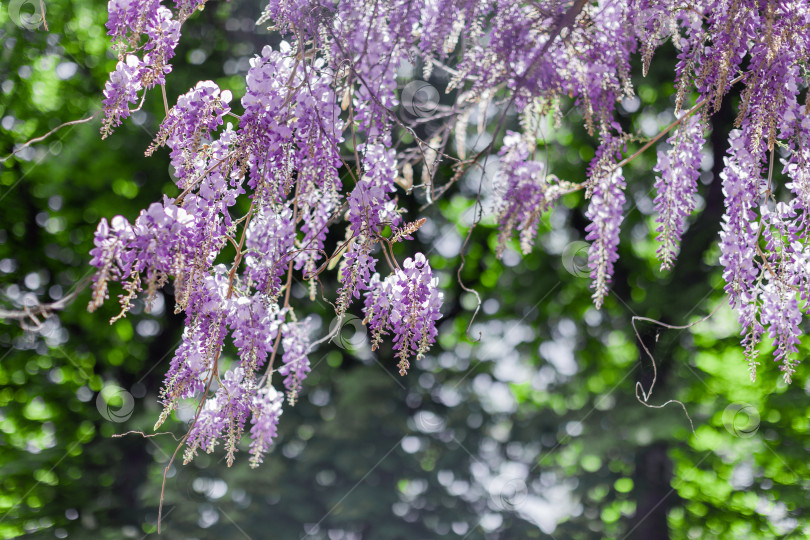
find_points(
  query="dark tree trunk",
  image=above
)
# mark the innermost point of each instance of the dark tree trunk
(654, 494)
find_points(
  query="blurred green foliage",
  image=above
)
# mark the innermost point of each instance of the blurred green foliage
(524, 422)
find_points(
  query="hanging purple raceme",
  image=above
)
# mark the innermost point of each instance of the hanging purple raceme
(295, 341)
(128, 18)
(223, 417)
(163, 237)
(371, 209)
(781, 313)
(188, 127)
(267, 409)
(606, 189)
(676, 188)
(254, 324)
(270, 238)
(526, 192)
(121, 90)
(141, 65)
(407, 304)
(739, 238)
(110, 240)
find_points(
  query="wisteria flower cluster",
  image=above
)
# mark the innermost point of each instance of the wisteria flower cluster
(527, 191)
(407, 303)
(677, 186)
(284, 155)
(285, 148)
(146, 34)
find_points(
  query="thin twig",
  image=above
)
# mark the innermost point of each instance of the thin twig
(43, 310)
(144, 435)
(669, 128)
(42, 14)
(51, 132)
(165, 101)
(186, 436)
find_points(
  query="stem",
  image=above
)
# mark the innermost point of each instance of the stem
(185, 437)
(165, 101)
(42, 14)
(387, 258)
(238, 258)
(214, 370)
(386, 242)
(288, 286)
(51, 132)
(669, 128)
(354, 134)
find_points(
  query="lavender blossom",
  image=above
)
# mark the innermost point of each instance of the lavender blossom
(129, 17)
(223, 417)
(121, 90)
(605, 213)
(677, 186)
(738, 239)
(407, 304)
(527, 192)
(267, 410)
(188, 127)
(270, 238)
(371, 209)
(295, 340)
(254, 324)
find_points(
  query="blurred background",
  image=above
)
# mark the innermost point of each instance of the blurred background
(522, 422)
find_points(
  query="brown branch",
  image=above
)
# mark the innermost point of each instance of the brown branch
(42, 14)
(33, 313)
(185, 437)
(144, 435)
(165, 101)
(669, 128)
(51, 132)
